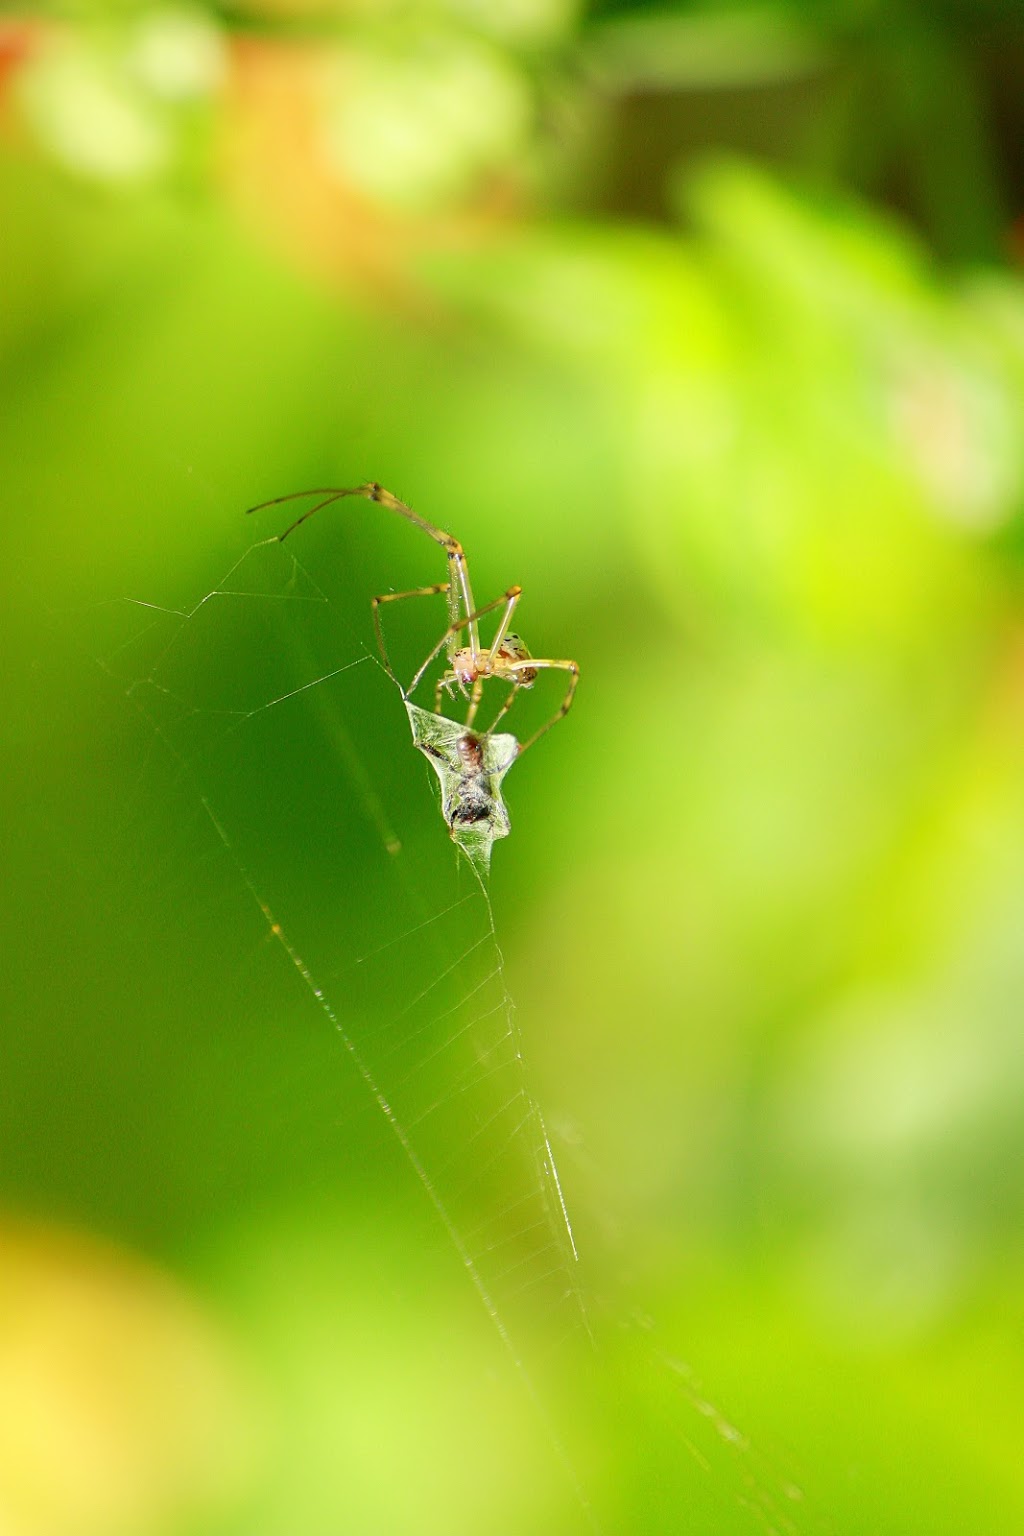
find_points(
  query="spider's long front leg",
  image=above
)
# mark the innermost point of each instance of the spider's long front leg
(537, 663)
(458, 572)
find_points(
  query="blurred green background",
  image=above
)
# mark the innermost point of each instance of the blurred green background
(704, 324)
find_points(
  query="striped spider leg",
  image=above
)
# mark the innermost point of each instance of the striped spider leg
(469, 662)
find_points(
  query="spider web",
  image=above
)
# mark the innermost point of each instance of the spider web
(281, 749)
(287, 752)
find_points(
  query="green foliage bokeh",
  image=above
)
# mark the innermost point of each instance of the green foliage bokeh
(758, 465)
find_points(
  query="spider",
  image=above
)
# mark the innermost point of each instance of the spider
(470, 663)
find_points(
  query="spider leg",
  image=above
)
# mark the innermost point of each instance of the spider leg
(512, 597)
(474, 701)
(397, 597)
(328, 493)
(537, 663)
(503, 711)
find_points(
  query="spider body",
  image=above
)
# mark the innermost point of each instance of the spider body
(501, 661)
(469, 662)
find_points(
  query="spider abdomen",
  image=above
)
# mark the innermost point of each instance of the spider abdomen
(513, 649)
